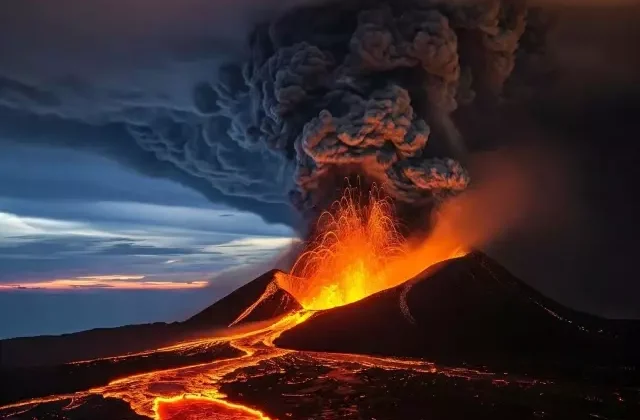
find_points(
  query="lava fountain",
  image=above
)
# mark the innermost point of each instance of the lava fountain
(357, 250)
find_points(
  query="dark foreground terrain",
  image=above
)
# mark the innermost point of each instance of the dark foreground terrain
(464, 341)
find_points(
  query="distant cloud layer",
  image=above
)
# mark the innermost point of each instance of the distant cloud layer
(156, 229)
(96, 71)
(105, 282)
(80, 234)
(33, 249)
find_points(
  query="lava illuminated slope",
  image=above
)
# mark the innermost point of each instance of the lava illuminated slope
(193, 392)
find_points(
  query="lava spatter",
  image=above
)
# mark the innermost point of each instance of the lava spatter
(358, 250)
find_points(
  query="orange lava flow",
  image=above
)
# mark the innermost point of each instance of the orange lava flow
(188, 407)
(358, 251)
(193, 392)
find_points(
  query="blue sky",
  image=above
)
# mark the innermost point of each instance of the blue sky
(86, 242)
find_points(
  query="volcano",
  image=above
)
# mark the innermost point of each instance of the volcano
(471, 311)
(464, 339)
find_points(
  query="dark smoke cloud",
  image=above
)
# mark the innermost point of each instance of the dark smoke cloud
(360, 84)
(371, 84)
(580, 114)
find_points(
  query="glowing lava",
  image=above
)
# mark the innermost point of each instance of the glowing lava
(345, 261)
(358, 251)
(189, 407)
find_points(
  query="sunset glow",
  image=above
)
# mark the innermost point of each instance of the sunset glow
(112, 282)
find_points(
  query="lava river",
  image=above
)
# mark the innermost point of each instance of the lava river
(193, 392)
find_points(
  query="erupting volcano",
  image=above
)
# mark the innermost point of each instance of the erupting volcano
(355, 244)
(377, 318)
(342, 336)
(345, 261)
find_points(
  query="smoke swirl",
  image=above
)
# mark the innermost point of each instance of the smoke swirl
(361, 85)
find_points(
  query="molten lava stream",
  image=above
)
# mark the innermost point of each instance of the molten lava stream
(193, 392)
(197, 408)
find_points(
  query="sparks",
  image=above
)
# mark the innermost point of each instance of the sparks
(358, 251)
(344, 262)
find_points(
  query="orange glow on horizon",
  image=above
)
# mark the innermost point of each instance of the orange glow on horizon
(111, 282)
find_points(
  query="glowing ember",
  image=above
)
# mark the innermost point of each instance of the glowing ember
(345, 261)
(358, 251)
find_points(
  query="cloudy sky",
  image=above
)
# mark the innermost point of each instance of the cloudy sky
(96, 230)
(86, 242)
(123, 196)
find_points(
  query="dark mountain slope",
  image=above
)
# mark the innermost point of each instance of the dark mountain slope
(108, 342)
(258, 300)
(473, 311)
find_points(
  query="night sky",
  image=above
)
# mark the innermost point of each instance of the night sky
(96, 231)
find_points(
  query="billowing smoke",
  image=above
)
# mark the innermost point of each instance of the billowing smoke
(325, 90)
(367, 85)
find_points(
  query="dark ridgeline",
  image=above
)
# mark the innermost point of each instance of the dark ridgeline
(228, 309)
(472, 311)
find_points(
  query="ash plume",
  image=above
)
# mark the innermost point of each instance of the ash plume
(364, 87)
(370, 84)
